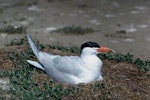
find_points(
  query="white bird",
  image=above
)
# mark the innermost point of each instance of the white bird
(71, 69)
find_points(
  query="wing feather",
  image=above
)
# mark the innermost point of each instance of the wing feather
(68, 64)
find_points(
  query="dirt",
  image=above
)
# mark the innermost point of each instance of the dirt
(122, 81)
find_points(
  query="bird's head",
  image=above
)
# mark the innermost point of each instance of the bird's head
(94, 48)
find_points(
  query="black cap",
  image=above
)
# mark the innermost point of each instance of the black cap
(89, 44)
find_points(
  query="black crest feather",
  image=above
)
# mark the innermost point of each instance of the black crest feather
(89, 44)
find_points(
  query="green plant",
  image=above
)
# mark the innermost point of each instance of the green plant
(118, 57)
(13, 29)
(18, 42)
(76, 30)
(144, 65)
(117, 34)
(72, 49)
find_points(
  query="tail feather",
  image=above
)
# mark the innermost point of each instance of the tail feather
(36, 52)
(36, 64)
(33, 46)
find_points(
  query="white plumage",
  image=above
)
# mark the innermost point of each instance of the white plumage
(71, 69)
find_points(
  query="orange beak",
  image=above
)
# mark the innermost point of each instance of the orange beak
(104, 49)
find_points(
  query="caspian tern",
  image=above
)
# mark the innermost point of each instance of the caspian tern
(71, 69)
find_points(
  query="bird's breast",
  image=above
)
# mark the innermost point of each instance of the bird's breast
(92, 61)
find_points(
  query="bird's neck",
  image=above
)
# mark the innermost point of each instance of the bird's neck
(92, 61)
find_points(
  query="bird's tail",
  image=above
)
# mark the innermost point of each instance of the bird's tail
(33, 46)
(36, 52)
(36, 64)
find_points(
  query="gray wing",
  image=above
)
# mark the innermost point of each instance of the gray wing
(68, 64)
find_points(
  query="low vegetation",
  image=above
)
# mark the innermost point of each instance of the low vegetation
(124, 76)
(74, 30)
(13, 29)
(118, 34)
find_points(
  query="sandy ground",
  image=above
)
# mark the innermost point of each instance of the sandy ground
(107, 16)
